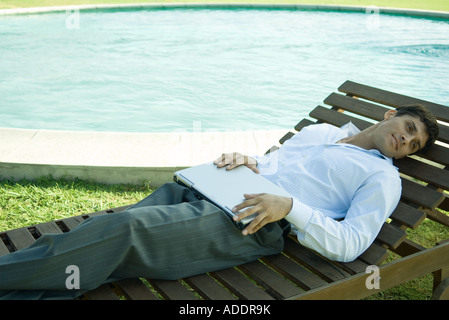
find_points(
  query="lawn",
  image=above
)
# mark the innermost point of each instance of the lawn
(442, 5)
(31, 202)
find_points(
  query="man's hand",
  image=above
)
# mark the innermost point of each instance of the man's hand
(235, 159)
(270, 208)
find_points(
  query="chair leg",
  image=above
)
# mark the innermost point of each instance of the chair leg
(441, 284)
(441, 292)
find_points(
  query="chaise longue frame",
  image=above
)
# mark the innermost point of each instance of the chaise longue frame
(299, 273)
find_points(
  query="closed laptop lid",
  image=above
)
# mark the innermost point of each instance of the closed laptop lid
(225, 188)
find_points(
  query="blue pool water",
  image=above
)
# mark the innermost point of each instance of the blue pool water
(217, 70)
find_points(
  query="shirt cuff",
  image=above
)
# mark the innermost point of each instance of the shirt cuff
(300, 214)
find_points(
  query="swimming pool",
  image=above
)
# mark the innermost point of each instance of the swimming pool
(203, 69)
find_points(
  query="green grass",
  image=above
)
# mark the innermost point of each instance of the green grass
(442, 5)
(31, 202)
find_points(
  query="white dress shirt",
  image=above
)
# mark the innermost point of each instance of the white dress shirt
(329, 181)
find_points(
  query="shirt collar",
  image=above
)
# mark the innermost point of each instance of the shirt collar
(350, 129)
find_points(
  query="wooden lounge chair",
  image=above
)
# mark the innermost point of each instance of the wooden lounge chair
(299, 273)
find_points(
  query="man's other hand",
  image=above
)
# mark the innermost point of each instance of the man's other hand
(235, 159)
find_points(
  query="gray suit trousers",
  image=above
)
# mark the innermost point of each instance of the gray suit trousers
(171, 234)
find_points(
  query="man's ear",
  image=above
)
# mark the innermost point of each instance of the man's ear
(389, 114)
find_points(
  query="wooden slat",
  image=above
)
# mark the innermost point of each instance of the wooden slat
(172, 290)
(391, 99)
(240, 286)
(420, 194)
(363, 108)
(408, 216)
(3, 248)
(391, 235)
(294, 272)
(353, 267)
(444, 133)
(337, 118)
(72, 222)
(103, 292)
(20, 238)
(273, 148)
(374, 255)
(438, 216)
(303, 123)
(117, 209)
(113, 210)
(444, 205)
(209, 288)
(287, 136)
(314, 262)
(96, 213)
(135, 289)
(437, 153)
(49, 227)
(273, 283)
(419, 170)
(407, 248)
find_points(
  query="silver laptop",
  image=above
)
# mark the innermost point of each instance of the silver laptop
(225, 188)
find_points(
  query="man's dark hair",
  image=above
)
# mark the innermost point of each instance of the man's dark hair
(419, 110)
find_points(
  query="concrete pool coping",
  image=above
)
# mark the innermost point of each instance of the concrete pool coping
(136, 6)
(112, 157)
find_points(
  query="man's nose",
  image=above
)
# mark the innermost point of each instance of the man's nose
(406, 138)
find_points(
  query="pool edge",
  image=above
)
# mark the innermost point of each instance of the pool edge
(116, 158)
(139, 6)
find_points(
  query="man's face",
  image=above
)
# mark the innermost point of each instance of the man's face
(397, 137)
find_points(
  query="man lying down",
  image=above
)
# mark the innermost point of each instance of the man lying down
(343, 187)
